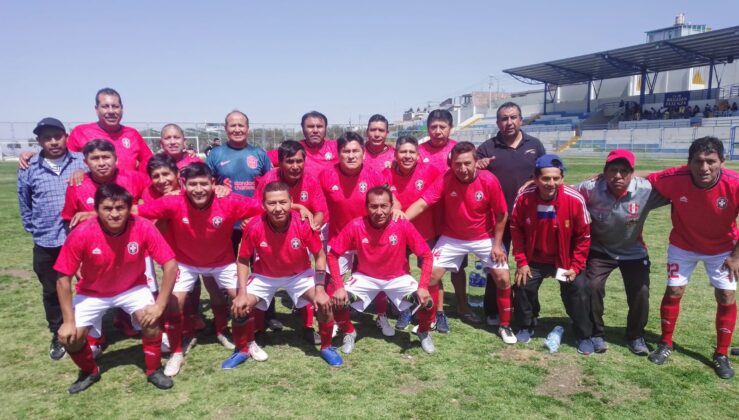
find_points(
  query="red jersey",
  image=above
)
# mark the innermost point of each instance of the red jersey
(274, 157)
(111, 264)
(345, 195)
(409, 188)
(130, 147)
(472, 206)
(382, 252)
(380, 161)
(318, 159)
(305, 192)
(703, 220)
(202, 237)
(279, 254)
(81, 197)
(436, 156)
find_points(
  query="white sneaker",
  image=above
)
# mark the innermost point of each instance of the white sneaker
(493, 322)
(165, 344)
(225, 342)
(174, 364)
(384, 326)
(256, 352)
(426, 343)
(348, 343)
(188, 344)
(506, 333)
(97, 351)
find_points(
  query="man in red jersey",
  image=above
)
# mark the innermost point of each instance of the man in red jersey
(278, 245)
(705, 204)
(474, 220)
(201, 225)
(320, 152)
(381, 244)
(378, 155)
(108, 252)
(172, 143)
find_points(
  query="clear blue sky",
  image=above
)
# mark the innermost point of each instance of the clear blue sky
(195, 61)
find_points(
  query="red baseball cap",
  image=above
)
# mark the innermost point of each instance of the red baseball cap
(621, 154)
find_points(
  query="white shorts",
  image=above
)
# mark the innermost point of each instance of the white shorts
(681, 263)
(187, 275)
(89, 310)
(449, 253)
(346, 261)
(151, 275)
(366, 288)
(265, 287)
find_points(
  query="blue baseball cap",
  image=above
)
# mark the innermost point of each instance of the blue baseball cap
(550, 161)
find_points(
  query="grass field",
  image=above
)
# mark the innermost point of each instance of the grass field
(472, 375)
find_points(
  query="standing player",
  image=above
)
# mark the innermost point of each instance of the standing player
(474, 223)
(200, 224)
(551, 236)
(378, 155)
(705, 204)
(381, 244)
(41, 198)
(279, 244)
(510, 156)
(618, 203)
(320, 152)
(172, 143)
(108, 252)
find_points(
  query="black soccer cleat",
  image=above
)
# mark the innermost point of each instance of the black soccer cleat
(84, 381)
(660, 355)
(722, 366)
(160, 380)
(56, 350)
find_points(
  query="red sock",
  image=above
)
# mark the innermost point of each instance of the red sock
(326, 330)
(503, 299)
(725, 322)
(152, 353)
(84, 360)
(342, 318)
(96, 341)
(258, 316)
(243, 334)
(381, 303)
(307, 312)
(669, 310)
(426, 316)
(174, 331)
(220, 318)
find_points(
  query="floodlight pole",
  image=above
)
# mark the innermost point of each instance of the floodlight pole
(710, 79)
(546, 90)
(643, 86)
(590, 87)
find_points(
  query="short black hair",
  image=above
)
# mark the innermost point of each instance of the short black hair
(313, 114)
(195, 170)
(275, 186)
(347, 137)
(289, 148)
(107, 91)
(707, 144)
(508, 105)
(405, 139)
(440, 115)
(463, 147)
(379, 190)
(98, 144)
(160, 160)
(378, 118)
(113, 192)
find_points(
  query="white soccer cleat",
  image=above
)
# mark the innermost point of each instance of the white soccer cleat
(384, 326)
(174, 364)
(426, 343)
(256, 352)
(165, 344)
(225, 342)
(506, 333)
(348, 342)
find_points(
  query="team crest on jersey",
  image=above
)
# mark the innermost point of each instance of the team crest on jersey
(295, 243)
(419, 184)
(126, 142)
(722, 202)
(479, 196)
(393, 239)
(90, 200)
(133, 248)
(633, 208)
(185, 221)
(362, 187)
(252, 162)
(217, 221)
(328, 156)
(304, 196)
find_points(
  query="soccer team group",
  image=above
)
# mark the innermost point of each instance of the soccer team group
(313, 212)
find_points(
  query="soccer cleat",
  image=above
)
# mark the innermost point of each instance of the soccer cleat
(471, 318)
(404, 319)
(427, 344)
(585, 346)
(722, 366)
(84, 381)
(188, 343)
(493, 322)
(311, 336)
(165, 344)
(274, 324)
(384, 326)
(331, 356)
(256, 352)
(174, 364)
(638, 346)
(160, 380)
(442, 323)
(56, 350)
(599, 344)
(237, 358)
(524, 335)
(225, 342)
(347, 345)
(506, 333)
(660, 354)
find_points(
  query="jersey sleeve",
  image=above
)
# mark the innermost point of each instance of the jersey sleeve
(435, 191)
(343, 241)
(497, 199)
(159, 250)
(246, 249)
(245, 207)
(24, 199)
(144, 152)
(69, 210)
(518, 234)
(659, 181)
(160, 208)
(70, 256)
(73, 141)
(311, 238)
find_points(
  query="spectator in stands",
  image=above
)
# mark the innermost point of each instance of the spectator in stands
(696, 110)
(706, 111)
(734, 108)
(510, 156)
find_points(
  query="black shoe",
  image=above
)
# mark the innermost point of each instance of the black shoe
(274, 324)
(310, 335)
(735, 351)
(660, 355)
(722, 367)
(84, 381)
(160, 380)
(56, 350)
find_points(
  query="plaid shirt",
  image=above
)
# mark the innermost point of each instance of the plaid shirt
(41, 198)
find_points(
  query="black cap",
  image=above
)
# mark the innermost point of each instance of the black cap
(48, 122)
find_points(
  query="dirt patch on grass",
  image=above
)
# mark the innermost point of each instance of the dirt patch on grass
(408, 385)
(17, 272)
(562, 381)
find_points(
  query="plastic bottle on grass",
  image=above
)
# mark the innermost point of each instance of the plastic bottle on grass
(476, 279)
(554, 339)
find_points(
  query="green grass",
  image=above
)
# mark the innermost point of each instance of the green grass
(473, 374)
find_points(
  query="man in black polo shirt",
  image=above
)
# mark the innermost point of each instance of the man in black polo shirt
(510, 156)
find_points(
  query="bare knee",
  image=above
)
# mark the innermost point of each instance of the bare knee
(675, 291)
(725, 297)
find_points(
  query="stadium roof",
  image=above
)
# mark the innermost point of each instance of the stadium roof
(718, 46)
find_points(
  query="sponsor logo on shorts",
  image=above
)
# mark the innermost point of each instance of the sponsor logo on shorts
(295, 243)
(304, 196)
(96, 251)
(90, 200)
(419, 184)
(328, 156)
(185, 221)
(133, 248)
(126, 142)
(252, 162)
(393, 239)
(362, 187)
(479, 196)
(722, 202)
(217, 221)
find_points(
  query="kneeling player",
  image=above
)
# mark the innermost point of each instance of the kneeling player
(381, 250)
(111, 249)
(278, 244)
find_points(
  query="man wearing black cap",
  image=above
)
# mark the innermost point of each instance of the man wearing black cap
(41, 191)
(619, 203)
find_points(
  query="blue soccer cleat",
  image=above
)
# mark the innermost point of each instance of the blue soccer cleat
(237, 358)
(331, 356)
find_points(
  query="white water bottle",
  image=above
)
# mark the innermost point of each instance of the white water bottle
(554, 339)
